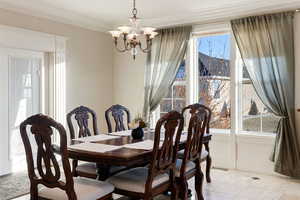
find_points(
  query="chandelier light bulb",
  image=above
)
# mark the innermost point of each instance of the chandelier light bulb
(148, 30)
(125, 29)
(115, 34)
(153, 34)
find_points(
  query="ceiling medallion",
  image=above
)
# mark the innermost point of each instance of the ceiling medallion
(130, 35)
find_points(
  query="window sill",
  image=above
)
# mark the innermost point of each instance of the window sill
(220, 131)
(256, 134)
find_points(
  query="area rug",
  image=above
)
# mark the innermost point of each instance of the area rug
(14, 185)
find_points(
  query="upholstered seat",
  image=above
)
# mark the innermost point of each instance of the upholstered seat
(91, 168)
(135, 179)
(85, 189)
(189, 166)
(204, 154)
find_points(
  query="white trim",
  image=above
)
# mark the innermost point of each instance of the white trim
(215, 13)
(211, 29)
(61, 16)
(226, 12)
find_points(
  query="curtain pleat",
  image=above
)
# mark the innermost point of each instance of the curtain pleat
(266, 45)
(167, 53)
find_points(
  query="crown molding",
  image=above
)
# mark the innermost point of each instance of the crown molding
(61, 16)
(195, 17)
(225, 13)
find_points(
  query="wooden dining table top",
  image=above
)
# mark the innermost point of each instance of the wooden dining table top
(123, 156)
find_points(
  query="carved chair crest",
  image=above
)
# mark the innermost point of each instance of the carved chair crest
(82, 115)
(117, 112)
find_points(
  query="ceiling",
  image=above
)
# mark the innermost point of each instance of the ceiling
(104, 15)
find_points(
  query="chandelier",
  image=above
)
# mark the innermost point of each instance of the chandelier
(130, 35)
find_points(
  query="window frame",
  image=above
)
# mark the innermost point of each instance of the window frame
(192, 83)
(218, 29)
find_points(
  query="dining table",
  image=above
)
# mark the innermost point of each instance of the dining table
(120, 149)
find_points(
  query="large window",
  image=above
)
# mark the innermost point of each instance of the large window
(214, 77)
(206, 77)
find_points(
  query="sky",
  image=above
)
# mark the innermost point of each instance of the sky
(216, 46)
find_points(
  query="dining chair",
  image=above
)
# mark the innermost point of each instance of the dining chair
(82, 115)
(205, 154)
(159, 176)
(190, 165)
(117, 112)
(47, 172)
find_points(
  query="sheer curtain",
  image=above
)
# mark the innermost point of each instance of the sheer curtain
(168, 51)
(267, 48)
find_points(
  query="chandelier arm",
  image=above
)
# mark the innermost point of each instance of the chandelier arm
(116, 46)
(127, 46)
(148, 46)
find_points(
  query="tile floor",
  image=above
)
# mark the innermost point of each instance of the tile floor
(236, 185)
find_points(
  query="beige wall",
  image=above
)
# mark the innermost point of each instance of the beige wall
(89, 61)
(129, 81)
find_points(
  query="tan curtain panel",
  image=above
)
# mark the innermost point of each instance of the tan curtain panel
(266, 44)
(168, 51)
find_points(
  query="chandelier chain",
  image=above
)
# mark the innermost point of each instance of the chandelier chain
(134, 10)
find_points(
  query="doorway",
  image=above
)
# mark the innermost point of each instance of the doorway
(23, 92)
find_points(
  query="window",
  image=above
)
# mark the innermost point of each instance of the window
(213, 53)
(206, 78)
(255, 116)
(176, 98)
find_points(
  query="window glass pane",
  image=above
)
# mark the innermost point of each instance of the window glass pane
(179, 91)
(166, 105)
(179, 105)
(176, 98)
(255, 115)
(214, 77)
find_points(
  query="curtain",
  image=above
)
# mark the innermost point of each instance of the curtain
(167, 53)
(267, 49)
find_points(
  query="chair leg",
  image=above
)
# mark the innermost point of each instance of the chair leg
(148, 197)
(208, 166)
(199, 182)
(174, 192)
(33, 192)
(184, 189)
(208, 163)
(74, 166)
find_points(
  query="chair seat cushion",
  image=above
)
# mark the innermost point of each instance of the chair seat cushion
(189, 166)
(91, 168)
(204, 154)
(134, 180)
(85, 189)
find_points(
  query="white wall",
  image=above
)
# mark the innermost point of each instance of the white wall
(89, 62)
(252, 152)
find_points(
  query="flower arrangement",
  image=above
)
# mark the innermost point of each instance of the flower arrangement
(138, 122)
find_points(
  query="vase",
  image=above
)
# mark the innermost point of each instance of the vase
(137, 133)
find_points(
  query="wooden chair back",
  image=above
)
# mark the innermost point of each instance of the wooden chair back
(194, 108)
(48, 169)
(197, 125)
(82, 115)
(165, 151)
(117, 111)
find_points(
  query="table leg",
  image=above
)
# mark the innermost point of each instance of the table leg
(208, 163)
(103, 172)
